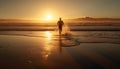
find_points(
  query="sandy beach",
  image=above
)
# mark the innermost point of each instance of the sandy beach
(47, 50)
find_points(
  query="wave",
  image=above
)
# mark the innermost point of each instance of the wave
(52, 28)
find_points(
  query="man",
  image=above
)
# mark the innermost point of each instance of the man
(60, 24)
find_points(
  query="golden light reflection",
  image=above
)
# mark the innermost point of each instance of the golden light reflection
(47, 48)
(46, 53)
(48, 34)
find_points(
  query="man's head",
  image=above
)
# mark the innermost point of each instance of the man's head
(60, 19)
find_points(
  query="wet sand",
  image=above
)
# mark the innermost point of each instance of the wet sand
(46, 50)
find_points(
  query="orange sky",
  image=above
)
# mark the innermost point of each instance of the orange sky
(51, 9)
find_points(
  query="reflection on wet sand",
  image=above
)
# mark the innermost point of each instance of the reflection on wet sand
(46, 50)
(60, 44)
(48, 47)
(48, 35)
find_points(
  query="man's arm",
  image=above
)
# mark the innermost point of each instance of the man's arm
(62, 23)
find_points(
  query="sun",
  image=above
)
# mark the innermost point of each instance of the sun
(48, 17)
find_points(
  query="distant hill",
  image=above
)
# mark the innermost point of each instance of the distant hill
(95, 19)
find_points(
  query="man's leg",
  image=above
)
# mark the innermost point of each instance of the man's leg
(60, 30)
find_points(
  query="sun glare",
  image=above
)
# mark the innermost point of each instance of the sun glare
(48, 17)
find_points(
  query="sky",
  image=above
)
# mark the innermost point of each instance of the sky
(30, 9)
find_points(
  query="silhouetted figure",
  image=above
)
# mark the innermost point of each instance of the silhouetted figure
(60, 24)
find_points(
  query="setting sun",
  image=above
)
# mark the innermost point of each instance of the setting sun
(48, 17)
